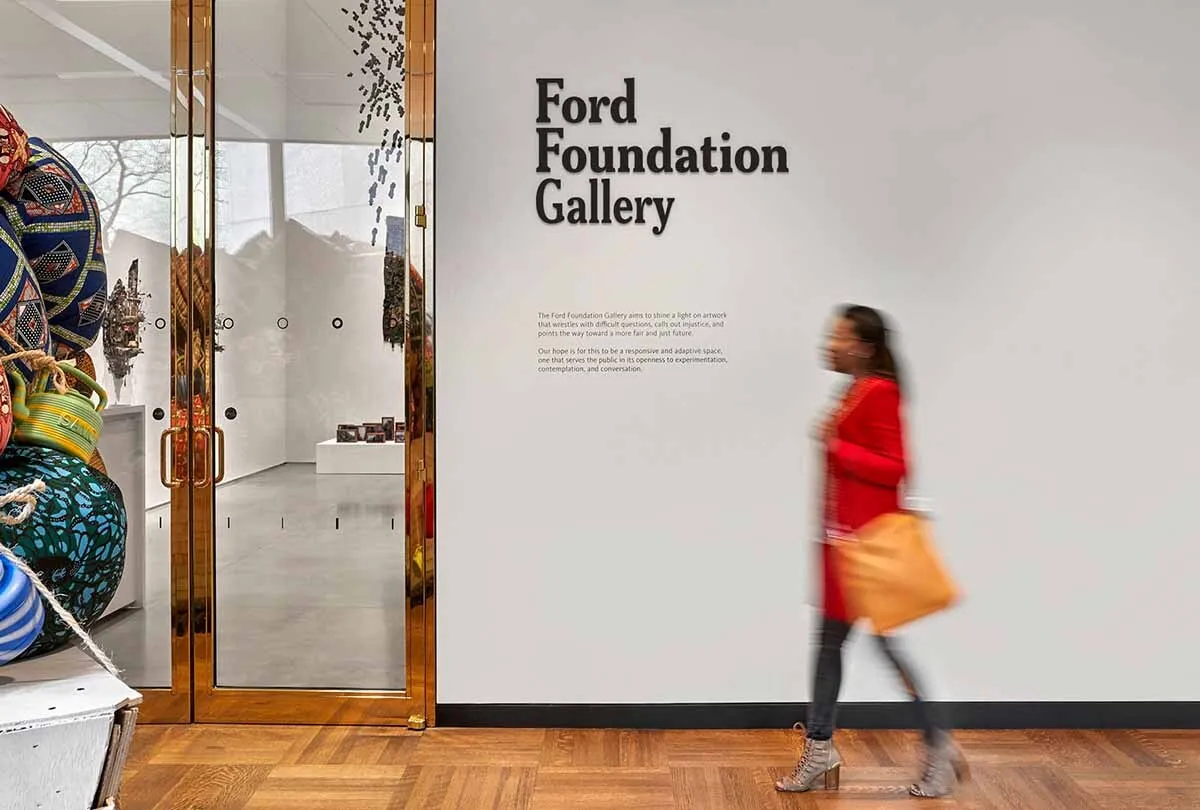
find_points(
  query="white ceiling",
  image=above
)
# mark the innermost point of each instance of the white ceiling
(78, 69)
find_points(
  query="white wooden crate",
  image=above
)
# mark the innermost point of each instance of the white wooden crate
(65, 729)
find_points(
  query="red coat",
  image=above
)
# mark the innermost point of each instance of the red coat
(864, 466)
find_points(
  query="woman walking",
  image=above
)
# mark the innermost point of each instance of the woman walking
(866, 463)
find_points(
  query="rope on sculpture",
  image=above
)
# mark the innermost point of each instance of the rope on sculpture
(26, 496)
(36, 359)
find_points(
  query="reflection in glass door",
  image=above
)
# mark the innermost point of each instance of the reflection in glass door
(302, 561)
(420, 343)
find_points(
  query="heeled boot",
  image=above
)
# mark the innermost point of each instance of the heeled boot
(943, 770)
(820, 761)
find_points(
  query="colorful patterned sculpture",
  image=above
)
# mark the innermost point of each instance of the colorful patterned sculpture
(65, 420)
(74, 540)
(7, 413)
(53, 295)
(21, 613)
(56, 216)
(14, 147)
(84, 362)
(22, 310)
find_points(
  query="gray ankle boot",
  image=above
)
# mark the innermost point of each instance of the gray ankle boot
(944, 768)
(820, 761)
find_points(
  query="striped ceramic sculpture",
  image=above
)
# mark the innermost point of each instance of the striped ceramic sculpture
(21, 613)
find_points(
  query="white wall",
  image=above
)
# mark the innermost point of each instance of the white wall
(148, 382)
(336, 375)
(251, 372)
(1014, 182)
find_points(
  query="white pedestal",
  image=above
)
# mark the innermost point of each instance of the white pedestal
(360, 458)
(65, 729)
(123, 447)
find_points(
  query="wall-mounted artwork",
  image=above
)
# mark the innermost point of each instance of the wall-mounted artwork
(378, 25)
(393, 283)
(123, 324)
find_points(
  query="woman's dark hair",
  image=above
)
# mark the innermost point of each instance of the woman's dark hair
(872, 329)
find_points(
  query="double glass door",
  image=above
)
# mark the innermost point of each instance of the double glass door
(263, 178)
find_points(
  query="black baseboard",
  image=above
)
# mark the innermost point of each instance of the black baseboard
(1082, 715)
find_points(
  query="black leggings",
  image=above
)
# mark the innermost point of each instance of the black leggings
(827, 683)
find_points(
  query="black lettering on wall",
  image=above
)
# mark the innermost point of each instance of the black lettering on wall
(562, 113)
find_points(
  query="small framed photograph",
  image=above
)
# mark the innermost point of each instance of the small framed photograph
(347, 434)
(389, 428)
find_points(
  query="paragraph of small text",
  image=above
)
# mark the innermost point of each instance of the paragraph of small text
(628, 342)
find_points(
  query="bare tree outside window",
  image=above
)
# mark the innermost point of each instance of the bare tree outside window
(131, 180)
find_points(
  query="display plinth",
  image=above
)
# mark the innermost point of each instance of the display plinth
(123, 446)
(360, 458)
(65, 730)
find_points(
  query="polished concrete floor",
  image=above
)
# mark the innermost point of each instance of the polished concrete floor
(305, 562)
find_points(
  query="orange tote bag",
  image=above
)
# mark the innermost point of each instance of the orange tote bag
(892, 574)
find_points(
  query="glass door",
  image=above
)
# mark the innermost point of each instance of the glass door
(103, 90)
(264, 207)
(309, 585)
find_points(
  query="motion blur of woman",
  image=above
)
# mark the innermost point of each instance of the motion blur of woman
(865, 465)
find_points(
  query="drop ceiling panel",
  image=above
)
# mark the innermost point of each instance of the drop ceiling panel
(55, 121)
(259, 100)
(323, 90)
(94, 88)
(282, 69)
(139, 30)
(252, 36)
(34, 47)
(325, 125)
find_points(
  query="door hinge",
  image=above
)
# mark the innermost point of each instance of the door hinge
(419, 216)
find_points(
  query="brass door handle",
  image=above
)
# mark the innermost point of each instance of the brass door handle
(167, 477)
(220, 476)
(204, 431)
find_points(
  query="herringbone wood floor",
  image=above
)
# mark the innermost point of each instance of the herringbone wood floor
(257, 768)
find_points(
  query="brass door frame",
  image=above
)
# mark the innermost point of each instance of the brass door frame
(420, 342)
(174, 704)
(194, 555)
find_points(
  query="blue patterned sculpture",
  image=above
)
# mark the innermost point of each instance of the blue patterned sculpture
(21, 612)
(74, 540)
(57, 219)
(22, 310)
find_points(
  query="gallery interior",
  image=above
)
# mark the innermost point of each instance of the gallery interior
(281, 333)
(221, 422)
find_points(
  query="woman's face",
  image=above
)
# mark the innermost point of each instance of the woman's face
(843, 349)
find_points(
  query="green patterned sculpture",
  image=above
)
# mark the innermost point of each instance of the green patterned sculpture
(74, 540)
